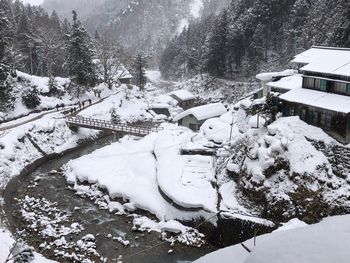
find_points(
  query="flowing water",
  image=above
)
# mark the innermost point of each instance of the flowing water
(101, 223)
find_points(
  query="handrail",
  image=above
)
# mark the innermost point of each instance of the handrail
(96, 123)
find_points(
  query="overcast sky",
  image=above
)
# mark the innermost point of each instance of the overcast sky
(33, 2)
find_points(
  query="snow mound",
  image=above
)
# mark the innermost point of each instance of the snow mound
(294, 242)
(188, 182)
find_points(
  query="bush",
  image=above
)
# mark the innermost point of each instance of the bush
(115, 118)
(31, 98)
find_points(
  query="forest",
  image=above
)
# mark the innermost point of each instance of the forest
(253, 35)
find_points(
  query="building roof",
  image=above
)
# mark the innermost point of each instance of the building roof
(329, 101)
(288, 83)
(159, 106)
(182, 95)
(334, 61)
(269, 76)
(204, 112)
(123, 73)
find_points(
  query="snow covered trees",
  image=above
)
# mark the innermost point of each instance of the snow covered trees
(139, 64)
(30, 98)
(6, 96)
(80, 54)
(107, 53)
(115, 117)
(255, 35)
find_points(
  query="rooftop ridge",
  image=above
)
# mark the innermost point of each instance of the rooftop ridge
(332, 48)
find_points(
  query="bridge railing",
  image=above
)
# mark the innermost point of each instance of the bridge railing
(96, 123)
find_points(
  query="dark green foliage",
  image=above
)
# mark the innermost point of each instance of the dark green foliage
(30, 98)
(22, 30)
(6, 97)
(138, 66)
(115, 118)
(80, 54)
(257, 35)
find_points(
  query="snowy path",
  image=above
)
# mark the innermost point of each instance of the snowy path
(21, 121)
(36, 116)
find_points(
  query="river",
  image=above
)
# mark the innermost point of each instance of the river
(40, 184)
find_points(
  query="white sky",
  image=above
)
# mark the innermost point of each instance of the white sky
(33, 2)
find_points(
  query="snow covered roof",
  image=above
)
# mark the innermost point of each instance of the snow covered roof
(204, 112)
(334, 61)
(159, 106)
(182, 95)
(288, 83)
(329, 101)
(123, 73)
(269, 76)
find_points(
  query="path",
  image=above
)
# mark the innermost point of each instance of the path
(25, 120)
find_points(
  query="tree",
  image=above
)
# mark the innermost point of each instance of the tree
(115, 117)
(7, 28)
(50, 44)
(30, 98)
(109, 63)
(80, 56)
(23, 41)
(6, 97)
(138, 66)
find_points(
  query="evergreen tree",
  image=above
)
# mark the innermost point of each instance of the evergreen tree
(24, 44)
(115, 117)
(80, 55)
(138, 66)
(30, 98)
(218, 46)
(6, 96)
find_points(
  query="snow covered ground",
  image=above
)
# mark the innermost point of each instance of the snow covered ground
(294, 242)
(6, 242)
(131, 170)
(25, 81)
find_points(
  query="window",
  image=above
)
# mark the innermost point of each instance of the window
(309, 83)
(340, 87)
(348, 88)
(323, 85)
(292, 111)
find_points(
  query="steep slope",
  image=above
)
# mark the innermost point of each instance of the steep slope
(255, 35)
(139, 25)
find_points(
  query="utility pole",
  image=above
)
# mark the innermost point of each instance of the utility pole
(231, 127)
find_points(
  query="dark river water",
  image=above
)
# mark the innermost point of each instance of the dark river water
(100, 223)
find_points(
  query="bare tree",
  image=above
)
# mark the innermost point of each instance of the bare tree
(109, 65)
(50, 43)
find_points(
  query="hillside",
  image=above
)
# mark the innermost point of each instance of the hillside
(138, 25)
(250, 36)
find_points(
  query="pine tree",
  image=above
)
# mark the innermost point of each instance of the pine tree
(218, 47)
(6, 97)
(138, 66)
(115, 117)
(7, 28)
(80, 55)
(30, 98)
(24, 44)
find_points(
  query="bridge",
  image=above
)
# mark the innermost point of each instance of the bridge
(102, 125)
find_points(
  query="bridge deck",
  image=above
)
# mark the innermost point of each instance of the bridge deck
(107, 125)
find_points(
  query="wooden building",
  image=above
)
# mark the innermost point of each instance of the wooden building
(195, 117)
(185, 99)
(324, 97)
